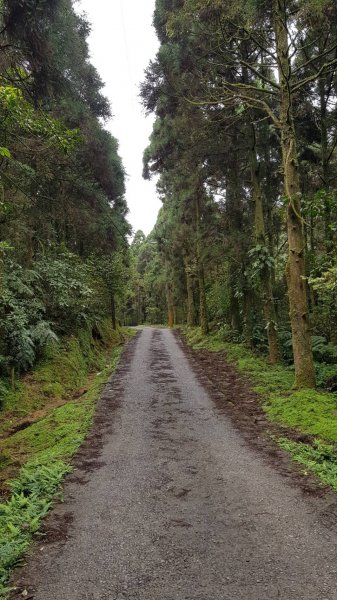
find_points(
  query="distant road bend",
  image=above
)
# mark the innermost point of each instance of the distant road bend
(178, 506)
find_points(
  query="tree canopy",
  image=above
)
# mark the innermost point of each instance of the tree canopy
(244, 143)
(63, 214)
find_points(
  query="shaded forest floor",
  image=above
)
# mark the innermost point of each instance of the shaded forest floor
(262, 404)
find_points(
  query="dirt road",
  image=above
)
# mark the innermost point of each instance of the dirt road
(175, 505)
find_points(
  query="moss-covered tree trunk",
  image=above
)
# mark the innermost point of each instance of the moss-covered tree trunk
(325, 163)
(203, 303)
(113, 311)
(265, 273)
(170, 305)
(203, 317)
(191, 312)
(248, 321)
(297, 290)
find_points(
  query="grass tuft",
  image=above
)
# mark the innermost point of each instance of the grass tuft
(320, 459)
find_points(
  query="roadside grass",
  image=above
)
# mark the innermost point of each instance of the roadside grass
(320, 459)
(45, 448)
(311, 412)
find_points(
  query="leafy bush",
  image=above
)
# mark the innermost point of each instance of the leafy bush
(323, 350)
(67, 290)
(217, 301)
(325, 288)
(24, 329)
(259, 337)
(326, 375)
(286, 345)
(62, 294)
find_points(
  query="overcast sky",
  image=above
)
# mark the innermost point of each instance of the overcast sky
(121, 44)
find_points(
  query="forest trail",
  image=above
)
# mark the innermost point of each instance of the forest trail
(169, 503)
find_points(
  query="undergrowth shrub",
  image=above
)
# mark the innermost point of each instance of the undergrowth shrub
(60, 296)
(21, 515)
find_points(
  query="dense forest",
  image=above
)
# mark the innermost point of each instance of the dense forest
(242, 260)
(244, 143)
(63, 227)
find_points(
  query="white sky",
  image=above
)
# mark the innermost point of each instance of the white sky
(122, 42)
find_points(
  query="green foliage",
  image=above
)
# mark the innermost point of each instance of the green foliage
(25, 331)
(218, 142)
(320, 459)
(326, 284)
(65, 284)
(20, 118)
(218, 300)
(51, 219)
(317, 205)
(323, 350)
(325, 309)
(62, 370)
(21, 516)
(59, 295)
(326, 375)
(309, 411)
(145, 295)
(261, 260)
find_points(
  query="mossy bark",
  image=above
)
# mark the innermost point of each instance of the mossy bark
(325, 163)
(203, 317)
(297, 291)
(203, 304)
(265, 274)
(248, 310)
(113, 311)
(234, 305)
(191, 312)
(170, 306)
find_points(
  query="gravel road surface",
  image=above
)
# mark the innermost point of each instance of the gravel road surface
(177, 506)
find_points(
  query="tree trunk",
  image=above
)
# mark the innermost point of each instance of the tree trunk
(203, 304)
(325, 165)
(271, 326)
(170, 307)
(265, 275)
(190, 296)
(247, 302)
(298, 304)
(113, 311)
(201, 275)
(139, 314)
(13, 377)
(234, 305)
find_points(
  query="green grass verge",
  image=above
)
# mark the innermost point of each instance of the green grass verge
(45, 448)
(308, 411)
(320, 459)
